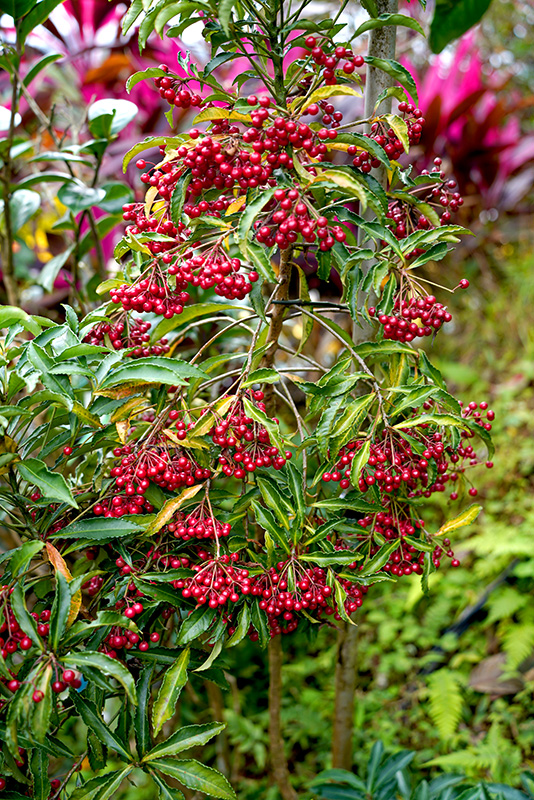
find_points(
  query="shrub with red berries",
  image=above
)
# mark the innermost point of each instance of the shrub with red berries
(180, 469)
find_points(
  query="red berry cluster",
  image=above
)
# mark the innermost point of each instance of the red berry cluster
(441, 195)
(127, 334)
(198, 524)
(215, 269)
(175, 91)
(289, 215)
(122, 504)
(151, 292)
(328, 58)
(12, 637)
(246, 443)
(223, 164)
(216, 582)
(416, 316)
(120, 638)
(156, 463)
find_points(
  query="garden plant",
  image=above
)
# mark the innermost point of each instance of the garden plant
(178, 473)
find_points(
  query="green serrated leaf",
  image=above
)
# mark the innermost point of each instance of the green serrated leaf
(169, 692)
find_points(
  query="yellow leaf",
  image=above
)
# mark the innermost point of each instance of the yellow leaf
(125, 411)
(86, 416)
(220, 113)
(149, 199)
(401, 129)
(235, 205)
(323, 93)
(465, 518)
(124, 390)
(190, 442)
(346, 182)
(58, 562)
(122, 429)
(170, 507)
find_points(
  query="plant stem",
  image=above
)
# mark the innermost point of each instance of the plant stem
(8, 268)
(279, 767)
(279, 310)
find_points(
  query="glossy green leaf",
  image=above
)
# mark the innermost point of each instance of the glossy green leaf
(38, 763)
(266, 520)
(396, 71)
(185, 739)
(194, 775)
(107, 665)
(156, 369)
(173, 682)
(242, 626)
(60, 610)
(102, 787)
(99, 528)
(23, 617)
(96, 724)
(196, 624)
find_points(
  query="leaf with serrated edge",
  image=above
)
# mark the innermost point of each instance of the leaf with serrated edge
(58, 562)
(170, 507)
(194, 775)
(465, 518)
(109, 666)
(169, 692)
(184, 739)
(95, 723)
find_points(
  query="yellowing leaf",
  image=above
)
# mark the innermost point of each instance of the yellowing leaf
(149, 199)
(324, 92)
(236, 205)
(400, 128)
(122, 429)
(58, 562)
(124, 390)
(189, 442)
(86, 416)
(170, 507)
(125, 411)
(344, 181)
(220, 113)
(465, 518)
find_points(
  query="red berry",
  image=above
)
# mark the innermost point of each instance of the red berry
(37, 696)
(67, 451)
(69, 675)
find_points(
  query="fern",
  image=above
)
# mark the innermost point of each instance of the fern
(518, 643)
(505, 604)
(445, 702)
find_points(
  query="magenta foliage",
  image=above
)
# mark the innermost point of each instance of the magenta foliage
(472, 119)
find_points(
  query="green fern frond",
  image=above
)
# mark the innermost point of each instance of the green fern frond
(518, 643)
(506, 603)
(445, 702)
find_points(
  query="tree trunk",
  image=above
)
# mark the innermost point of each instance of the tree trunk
(279, 767)
(381, 45)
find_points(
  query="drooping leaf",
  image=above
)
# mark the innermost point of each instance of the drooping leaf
(107, 665)
(52, 485)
